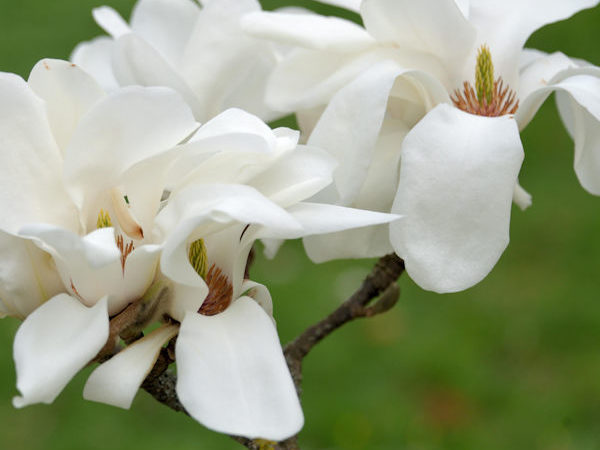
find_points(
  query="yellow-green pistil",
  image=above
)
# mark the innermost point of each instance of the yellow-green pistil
(104, 220)
(220, 290)
(490, 97)
(484, 75)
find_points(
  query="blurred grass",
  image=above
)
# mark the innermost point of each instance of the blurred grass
(513, 363)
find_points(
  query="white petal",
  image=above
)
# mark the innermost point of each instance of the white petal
(233, 147)
(309, 78)
(199, 211)
(129, 126)
(350, 126)
(457, 176)
(296, 176)
(116, 381)
(437, 27)
(69, 93)
(31, 187)
(237, 121)
(166, 25)
(537, 75)
(377, 194)
(111, 21)
(95, 57)
(185, 299)
(27, 276)
(578, 100)
(318, 218)
(54, 343)
(272, 246)
(220, 59)
(381, 182)
(308, 31)
(366, 242)
(260, 294)
(521, 197)
(91, 267)
(232, 376)
(136, 62)
(464, 6)
(506, 25)
(579, 106)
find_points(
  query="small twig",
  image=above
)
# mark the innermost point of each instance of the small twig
(160, 383)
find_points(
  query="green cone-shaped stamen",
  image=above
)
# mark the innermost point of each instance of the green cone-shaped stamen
(484, 75)
(197, 257)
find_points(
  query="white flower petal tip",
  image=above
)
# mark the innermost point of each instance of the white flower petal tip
(111, 21)
(457, 177)
(308, 30)
(117, 381)
(522, 198)
(56, 341)
(232, 375)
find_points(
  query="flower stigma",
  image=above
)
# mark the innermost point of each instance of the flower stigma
(104, 220)
(490, 97)
(220, 290)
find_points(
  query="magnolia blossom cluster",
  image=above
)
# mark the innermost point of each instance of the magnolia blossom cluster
(138, 176)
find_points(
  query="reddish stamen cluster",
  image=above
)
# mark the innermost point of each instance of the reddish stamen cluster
(125, 250)
(504, 100)
(220, 292)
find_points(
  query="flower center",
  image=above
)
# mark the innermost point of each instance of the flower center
(490, 97)
(220, 290)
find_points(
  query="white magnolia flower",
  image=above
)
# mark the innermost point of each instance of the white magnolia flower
(232, 375)
(402, 88)
(199, 51)
(82, 177)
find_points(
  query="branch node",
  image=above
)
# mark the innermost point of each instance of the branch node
(386, 301)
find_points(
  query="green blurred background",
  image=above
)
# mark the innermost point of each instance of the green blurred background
(513, 363)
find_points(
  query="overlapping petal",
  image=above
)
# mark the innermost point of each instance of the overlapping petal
(116, 381)
(237, 381)
(128, 126)
(31, 180)
(457, 176)
(28, 276)
(578, 99)
(308, 31)
(95, 57)
(198, 211)
(91, 266)
(166, 25)
(54, 342)
(309, 78)
(69, 93)
(350, 126)
(436, 27)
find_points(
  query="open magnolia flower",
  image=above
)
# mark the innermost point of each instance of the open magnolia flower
(422, 108)
(88, 227)
(76, 164)
(199, 51)
(232, 375)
